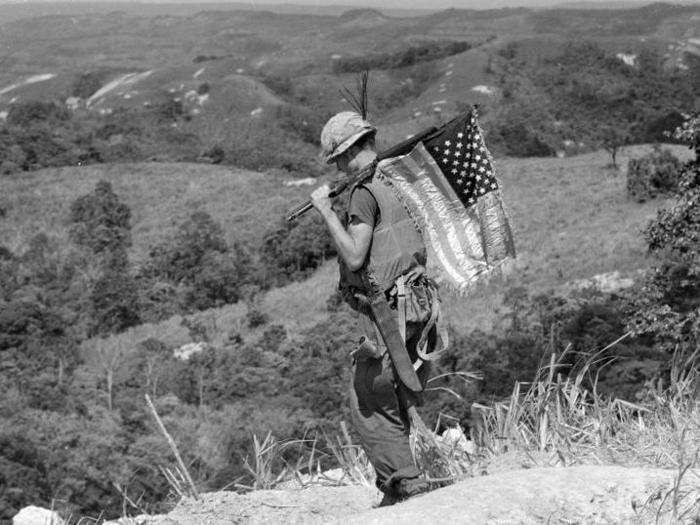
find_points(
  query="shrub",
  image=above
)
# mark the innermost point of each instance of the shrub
(216, 154)
(280, 84)
(88, 84)
(668, 304)
(291, 251)
(44, 144)
(22, 475)
(656, 173)
(25, 114)
(521, 140)
(168, 109)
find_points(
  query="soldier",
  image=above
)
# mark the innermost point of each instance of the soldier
(379, 250)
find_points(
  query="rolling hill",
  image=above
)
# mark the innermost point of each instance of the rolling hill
(571, 218)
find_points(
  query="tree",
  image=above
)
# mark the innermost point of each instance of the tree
(100, 222)
(109, 356)
(180, 258)
(293, 250)
(198, 260)
(114, 301)
(612, 139)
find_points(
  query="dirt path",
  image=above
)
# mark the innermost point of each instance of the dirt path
(312, 505)
(583, 494)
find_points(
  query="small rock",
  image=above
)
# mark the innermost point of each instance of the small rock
(33, 515)
(186, 351)
(308, 181)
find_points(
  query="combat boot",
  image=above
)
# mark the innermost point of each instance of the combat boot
(407, 487)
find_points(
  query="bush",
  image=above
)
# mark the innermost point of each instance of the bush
(521, 140)
(291, 251)
(25, 114)
(656, 173)
(280, 84)
(216, 154)
(43, 144)
(88, 84)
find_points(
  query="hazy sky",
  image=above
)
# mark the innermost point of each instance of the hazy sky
(421, 4)
(390, 4)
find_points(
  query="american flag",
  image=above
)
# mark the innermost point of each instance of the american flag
(460, 152)
(448, 185)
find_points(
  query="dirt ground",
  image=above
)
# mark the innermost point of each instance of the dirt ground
(581, 494)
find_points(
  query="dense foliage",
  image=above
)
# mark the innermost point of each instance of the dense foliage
(669, 303)
(584, 96)
(407, 57)
(657, 173)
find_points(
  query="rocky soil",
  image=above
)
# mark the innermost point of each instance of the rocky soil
(580, 494)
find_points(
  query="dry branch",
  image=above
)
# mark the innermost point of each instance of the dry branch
(183, 469)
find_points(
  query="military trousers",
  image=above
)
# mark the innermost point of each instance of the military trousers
(379, 411)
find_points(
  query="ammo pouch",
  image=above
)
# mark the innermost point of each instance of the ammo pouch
(417, 301)
(419, 296)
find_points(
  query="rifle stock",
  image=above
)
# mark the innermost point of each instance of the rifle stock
(342, 185)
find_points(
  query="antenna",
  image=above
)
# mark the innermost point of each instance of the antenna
(358, 100)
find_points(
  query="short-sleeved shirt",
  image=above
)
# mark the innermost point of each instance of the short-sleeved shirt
(363, 207)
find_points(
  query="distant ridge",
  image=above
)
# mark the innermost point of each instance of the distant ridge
(13, 10)
(353, 14)
(617, 4)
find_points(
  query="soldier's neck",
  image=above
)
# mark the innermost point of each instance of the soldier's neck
(364, 158)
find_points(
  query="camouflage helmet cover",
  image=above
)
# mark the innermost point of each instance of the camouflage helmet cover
(342, 131)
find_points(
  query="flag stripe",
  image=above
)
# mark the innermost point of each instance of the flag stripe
(435, 214)
(449, 189)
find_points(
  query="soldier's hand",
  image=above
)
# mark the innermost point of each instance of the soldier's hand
(320, 198)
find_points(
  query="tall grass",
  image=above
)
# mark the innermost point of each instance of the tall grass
(559, 415)
(560, 419)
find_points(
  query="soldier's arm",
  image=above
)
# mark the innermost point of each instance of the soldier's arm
(353, 243)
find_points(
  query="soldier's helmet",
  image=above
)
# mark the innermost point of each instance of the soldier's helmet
(342, 131)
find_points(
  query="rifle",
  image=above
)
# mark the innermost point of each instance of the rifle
(350, 181)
